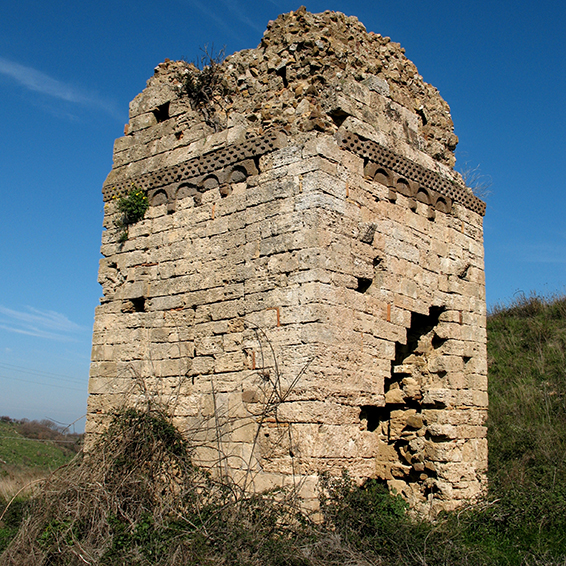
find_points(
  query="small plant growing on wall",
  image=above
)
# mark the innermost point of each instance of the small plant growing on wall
(203, 84)
(132, 207)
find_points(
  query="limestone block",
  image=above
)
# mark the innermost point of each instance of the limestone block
(467, 431)
(415, 422)
(477, 382)
(102, 353)
(141, 121)
(446, 431)
(201, 365)
(480, 398)
(208, 345)
(324, 411)
(443, 397)
(411, 387)
(308, 201)
(111, 386)
(245, 431)
(165, 303)
(444, 451)
(395, 397)
(457, 380)
(475, 450)
(446, 363)
(229, 362)
(103, 369)
(345, 441)
(398, 422)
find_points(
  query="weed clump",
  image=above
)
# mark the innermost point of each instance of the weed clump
(203, 82)
(132, 209)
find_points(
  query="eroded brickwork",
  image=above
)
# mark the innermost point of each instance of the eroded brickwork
(306, 290)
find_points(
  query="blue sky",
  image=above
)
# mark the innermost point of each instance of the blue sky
(69, 69)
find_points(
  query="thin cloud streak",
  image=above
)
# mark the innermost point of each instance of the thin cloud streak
(38, 323)
(38, 333)
(238, 11)
(213, 16)
(37, 81)
(225, 21)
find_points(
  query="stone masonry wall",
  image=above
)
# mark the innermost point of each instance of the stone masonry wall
(306, 290)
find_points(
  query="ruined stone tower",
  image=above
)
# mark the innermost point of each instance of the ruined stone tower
(306, 290)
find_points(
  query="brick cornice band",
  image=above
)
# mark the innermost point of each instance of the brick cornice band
(197, 167)
(400, 173)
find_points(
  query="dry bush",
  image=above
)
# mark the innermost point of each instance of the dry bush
(135, 469)
(135, 498)
(476, 180)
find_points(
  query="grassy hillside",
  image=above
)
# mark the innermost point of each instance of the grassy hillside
(111, 510)
(26, 445)
(527, 370)
(29, 451)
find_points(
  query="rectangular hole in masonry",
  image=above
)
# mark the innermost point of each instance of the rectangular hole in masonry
(363, 284)
(161, 113)
(139, 304)
(374, 416)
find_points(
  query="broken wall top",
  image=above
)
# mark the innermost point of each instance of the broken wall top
(304, 55)
(311, 73)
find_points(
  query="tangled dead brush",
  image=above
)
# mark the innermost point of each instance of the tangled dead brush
(87, 508)
(136, 499)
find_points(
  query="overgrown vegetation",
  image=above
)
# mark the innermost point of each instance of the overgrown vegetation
(132, 209)
(476, 180)
(137, 499)
(204, 84)
(29, 452)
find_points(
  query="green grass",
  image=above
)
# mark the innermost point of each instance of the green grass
(138, 500)
(29, 451)
(527, 371)
(39, 454)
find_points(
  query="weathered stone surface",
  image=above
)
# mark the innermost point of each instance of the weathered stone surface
(306, 290)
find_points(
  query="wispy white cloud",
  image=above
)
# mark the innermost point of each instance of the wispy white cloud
(545, 253)
(39, 323)
(37, 81)
(225, 14)
(239, 12)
